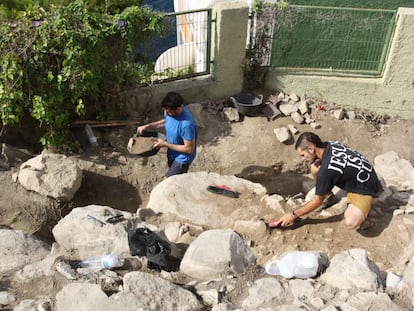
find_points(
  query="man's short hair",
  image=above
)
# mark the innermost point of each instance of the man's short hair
(172, 101)
(307, 139)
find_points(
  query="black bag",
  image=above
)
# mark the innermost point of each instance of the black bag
(144, 242)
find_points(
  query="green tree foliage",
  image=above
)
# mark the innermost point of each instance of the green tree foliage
(12, 9)
(66, 62)
(111, 6)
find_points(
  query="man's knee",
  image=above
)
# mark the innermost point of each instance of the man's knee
(352, 224)
(353, 217)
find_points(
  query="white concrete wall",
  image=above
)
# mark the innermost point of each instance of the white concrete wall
(228, 41)
(392, 94)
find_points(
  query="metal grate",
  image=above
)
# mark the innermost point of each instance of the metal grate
(332, 39)
(185, 49)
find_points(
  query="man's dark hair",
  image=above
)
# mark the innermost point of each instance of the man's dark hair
(308, 138)
(172, 101)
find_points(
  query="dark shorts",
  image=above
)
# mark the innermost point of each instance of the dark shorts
(176, 168)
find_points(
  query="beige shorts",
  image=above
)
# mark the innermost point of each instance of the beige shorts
(363, 202)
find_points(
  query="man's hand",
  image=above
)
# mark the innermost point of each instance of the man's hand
(317, 162)
(314, 168)
(141, 129)
(160, 143)
(275, 223)
(284, 221)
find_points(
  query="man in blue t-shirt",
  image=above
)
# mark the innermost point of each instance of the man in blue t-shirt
(181, 134)
(333, 164)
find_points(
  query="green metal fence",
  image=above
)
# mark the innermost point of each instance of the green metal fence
(332, 39)
(371, 4)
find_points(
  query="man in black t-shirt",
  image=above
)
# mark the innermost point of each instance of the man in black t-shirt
(333, 164)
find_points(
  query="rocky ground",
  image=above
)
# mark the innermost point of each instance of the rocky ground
(247, 149)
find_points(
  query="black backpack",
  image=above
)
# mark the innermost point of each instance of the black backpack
(144, 242)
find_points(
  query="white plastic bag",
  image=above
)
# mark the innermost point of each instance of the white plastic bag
(296, 264)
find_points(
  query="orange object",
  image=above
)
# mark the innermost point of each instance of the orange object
(222, 187)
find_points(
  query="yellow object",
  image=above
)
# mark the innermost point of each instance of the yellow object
(363, 202)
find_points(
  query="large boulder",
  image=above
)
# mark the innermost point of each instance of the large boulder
(143, 291)
(83, 297)
(17, 249)
(216, 253)
(84, 229)
(186, 196)
(371, 301)
(353, 269)
(397, 172)
(262, 292)
(52, 175)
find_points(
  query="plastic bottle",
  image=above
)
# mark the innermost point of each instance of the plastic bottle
(91, 136)
(105, 261)
(298, 264)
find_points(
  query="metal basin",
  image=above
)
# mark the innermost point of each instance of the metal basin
(142, 145)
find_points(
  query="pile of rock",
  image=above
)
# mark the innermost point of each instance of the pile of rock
(301, 110)
(216, 264)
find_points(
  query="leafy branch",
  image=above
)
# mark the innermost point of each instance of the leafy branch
(60, 64)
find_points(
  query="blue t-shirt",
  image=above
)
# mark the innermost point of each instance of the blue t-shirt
(180, 128)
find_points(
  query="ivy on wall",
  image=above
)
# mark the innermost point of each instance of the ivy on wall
(260, 45)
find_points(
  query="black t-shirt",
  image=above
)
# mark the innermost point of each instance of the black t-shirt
(347, 169)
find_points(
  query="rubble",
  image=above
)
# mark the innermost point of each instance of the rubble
(302, 109)
(350, 279)
(282, 134)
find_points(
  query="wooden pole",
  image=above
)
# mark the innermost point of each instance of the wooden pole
(105, 123)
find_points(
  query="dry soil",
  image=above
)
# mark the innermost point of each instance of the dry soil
(248, 149)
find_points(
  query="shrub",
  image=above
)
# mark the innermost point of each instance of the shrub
(67, 62)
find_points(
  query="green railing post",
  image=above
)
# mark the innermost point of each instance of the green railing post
(210, 22)
(387, 43)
